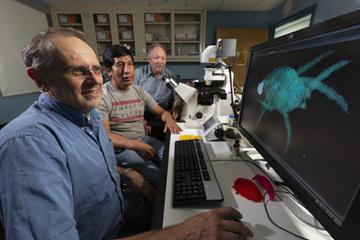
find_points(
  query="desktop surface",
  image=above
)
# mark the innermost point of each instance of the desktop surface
(227, 170)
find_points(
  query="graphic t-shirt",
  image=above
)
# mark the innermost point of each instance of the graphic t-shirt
(125, 109)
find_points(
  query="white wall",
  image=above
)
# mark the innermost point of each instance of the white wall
(17, 24)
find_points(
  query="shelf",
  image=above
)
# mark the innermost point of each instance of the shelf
(70, 24)
(187, 41)
(157, 23)
(158, 41)
(180, 31)
(185, 23)
(101, 24)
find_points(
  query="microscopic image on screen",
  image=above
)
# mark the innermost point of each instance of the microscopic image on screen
(300, 109)
(302, 105)
(285, 89)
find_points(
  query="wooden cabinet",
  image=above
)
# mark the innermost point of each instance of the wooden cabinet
(187, 34)
(158, 29)
(73, 20)
(125, 30)
(103, 32)
(182, 32)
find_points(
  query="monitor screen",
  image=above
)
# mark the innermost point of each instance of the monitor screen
(301, 110)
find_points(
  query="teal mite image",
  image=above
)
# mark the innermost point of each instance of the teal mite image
(286, 89)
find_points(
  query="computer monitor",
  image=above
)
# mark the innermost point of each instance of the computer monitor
(301, 111)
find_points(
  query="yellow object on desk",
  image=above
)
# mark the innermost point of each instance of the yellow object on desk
(189, 137)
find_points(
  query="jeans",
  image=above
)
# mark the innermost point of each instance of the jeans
(137, 213)
(149, 169)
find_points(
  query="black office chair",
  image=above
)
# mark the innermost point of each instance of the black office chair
(2, 125)
(2, 231)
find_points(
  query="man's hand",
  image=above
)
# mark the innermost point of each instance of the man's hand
(166, 117)
(177, 109)
(147, 128)
(146, 151)
(216, 224)
(172, 126)
(139, 183)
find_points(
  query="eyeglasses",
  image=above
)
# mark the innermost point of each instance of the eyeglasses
(83, 71)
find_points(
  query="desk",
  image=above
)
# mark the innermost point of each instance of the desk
(254, 215)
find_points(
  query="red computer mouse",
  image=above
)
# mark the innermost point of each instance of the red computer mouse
(247, 189)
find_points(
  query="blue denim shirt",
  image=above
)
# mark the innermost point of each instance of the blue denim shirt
(156, 86)
(58, 176)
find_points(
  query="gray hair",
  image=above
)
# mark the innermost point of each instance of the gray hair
(155, 45)
(40, 52)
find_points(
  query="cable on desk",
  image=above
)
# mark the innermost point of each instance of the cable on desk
(294, 197)
(272, 221)
(285, 191)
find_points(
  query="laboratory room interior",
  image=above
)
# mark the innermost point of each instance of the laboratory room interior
(233, 65)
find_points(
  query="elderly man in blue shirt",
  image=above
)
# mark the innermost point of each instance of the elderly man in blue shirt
(149, 77)
(58, 174)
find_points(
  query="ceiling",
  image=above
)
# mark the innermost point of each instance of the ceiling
(210, 5)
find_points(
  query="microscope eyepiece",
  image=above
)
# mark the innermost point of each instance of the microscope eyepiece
(170, 83)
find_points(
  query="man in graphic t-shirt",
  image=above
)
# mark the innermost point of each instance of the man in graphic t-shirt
(122, 112)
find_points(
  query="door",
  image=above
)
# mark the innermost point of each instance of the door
(246, 37)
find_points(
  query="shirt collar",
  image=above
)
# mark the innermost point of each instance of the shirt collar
(46, 102)
(149, 72)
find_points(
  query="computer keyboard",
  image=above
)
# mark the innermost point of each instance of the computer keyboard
(195, 183)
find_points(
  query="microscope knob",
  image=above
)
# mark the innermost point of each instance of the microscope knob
(198, 115)
(219, 133)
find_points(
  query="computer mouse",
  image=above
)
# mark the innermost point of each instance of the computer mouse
(239, 220)
(232, 133)
(246, 188)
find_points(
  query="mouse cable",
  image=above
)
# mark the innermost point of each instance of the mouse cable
(286, 191)
(272, 221)
(294, 197)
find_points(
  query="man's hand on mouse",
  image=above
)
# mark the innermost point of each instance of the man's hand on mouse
(217, 224)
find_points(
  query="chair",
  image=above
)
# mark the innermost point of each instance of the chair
(2, 231)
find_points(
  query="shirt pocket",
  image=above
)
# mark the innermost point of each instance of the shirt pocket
(87, 209)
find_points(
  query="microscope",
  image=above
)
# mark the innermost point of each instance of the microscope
(207, 98)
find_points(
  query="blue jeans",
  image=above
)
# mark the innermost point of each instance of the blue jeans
(149, 169)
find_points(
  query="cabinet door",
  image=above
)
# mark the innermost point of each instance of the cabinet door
(245, 38)
(125, 30)
(158, 29)
(71, 20)
(103, 32)
(187, 34)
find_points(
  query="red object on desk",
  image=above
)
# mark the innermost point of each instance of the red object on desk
(266, 184)
(247, 189)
